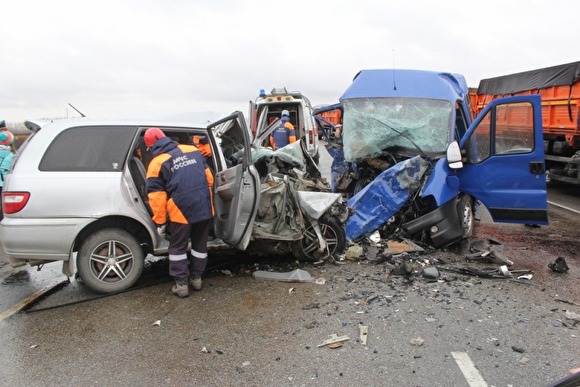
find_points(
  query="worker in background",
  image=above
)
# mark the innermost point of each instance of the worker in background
(6, 157)
(202, 143)
(284, 134)
(179, 183)
(339, 167)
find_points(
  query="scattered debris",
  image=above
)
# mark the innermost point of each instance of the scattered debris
(575, 317)
(559, 265)
(354, 252)
(33, 346)
(403, 246)
(375, 237)
(417, 342)
(297, 275)
(489, 255)
(28, 301)
(156, 323)
(523, 360)
(291, 290)
(204, 350)
(430, 272)
(320, 281)
(364, 332)
(518, 349)
(567, 302)
(334, 338)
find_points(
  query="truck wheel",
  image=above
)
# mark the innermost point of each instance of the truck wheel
(333, 233)
(465, 213)
(110, 260)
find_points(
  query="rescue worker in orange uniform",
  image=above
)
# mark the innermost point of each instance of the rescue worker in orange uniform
(284, 134)
(179, 183)
(202, 144)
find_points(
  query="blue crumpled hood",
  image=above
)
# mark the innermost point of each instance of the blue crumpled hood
(384, 196)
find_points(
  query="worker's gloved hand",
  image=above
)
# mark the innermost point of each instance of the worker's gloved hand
(161, 230)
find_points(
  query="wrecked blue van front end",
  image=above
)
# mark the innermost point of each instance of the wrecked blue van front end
(405, 122)
(413, 195)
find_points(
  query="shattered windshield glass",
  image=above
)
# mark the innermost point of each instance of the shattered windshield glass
(372, 125)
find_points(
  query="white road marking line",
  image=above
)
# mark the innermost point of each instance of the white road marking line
(468, 369)
(564, 207)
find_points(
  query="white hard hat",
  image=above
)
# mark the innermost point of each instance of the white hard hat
(285, 113)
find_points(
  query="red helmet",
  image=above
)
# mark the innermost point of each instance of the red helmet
(6, 137)
(152, 135)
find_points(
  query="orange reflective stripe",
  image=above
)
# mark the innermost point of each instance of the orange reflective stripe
(175, 213)
(210, 181)
(155, 165)
(157, 201)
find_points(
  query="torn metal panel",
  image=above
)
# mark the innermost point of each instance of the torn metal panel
(384, 196)
(315, 204)
(297, 275)
(277, 217)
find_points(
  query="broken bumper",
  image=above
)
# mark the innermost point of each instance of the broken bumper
(442, 225)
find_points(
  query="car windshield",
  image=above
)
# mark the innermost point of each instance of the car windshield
(373, 125)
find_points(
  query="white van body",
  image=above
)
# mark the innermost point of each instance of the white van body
(268, 107)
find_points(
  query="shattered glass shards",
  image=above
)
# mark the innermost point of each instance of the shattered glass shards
(384, 196)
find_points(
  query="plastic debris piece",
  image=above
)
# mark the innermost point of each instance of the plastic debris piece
(504, 271)
(297, 275)
(291, 290)
(398, 247)
(418, 341)
(156, 323)
(334, 338)
(375, 237)
(320, 281)
(573, 316)
(525, 277)
(204, 350)
(559, 265)
(33, 346)
(364, 333)
(498, 257)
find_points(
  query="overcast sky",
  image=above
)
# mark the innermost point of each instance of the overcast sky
(199, 60)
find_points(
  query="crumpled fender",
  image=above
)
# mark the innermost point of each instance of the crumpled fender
(442, 183)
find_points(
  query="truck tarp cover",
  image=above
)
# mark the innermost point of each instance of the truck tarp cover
(566, 74)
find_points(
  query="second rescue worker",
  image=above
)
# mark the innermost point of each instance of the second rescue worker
(179, 183)
(284, 134)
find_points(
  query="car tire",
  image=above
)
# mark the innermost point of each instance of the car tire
(465, 215)
(110, 260)
(332, 231)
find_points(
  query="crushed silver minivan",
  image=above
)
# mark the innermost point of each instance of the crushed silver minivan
(76, 193)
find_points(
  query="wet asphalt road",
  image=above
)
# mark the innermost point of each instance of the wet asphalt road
(243, 331)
